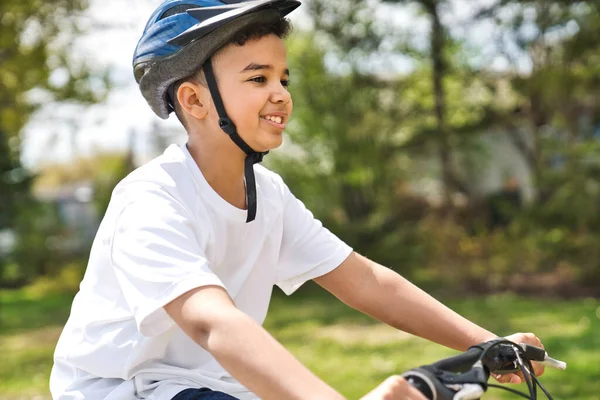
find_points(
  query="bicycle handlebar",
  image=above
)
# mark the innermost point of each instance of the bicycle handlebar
(464, 376)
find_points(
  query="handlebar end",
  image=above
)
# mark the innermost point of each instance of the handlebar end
(551, 362)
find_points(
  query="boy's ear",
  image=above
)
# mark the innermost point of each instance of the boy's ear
(192, 99)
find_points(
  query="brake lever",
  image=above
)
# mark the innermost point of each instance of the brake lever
(539, 355)
(506, 361)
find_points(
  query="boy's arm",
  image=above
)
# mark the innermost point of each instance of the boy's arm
(244, 348)
(383, 294)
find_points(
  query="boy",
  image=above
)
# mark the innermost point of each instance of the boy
(184, 262)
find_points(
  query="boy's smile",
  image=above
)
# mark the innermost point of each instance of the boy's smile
(276, 119)
(253, 80)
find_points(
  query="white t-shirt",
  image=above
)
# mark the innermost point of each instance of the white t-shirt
(166, 231)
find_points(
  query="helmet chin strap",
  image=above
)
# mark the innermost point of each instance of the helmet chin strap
(226, 124)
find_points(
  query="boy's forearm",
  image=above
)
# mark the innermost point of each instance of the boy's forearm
(390, 298)
(412, 310)
(260, 363)
(252, 356)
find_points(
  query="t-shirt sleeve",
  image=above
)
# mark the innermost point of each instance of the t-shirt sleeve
(157, 257)
(308, 249)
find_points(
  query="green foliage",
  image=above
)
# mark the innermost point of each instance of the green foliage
(362, 143)
(556, 262)
(35, 43)
(112, 168)
(36, 68)
(14, 182)
(50, 251)
(368, 146)
(347, 27)
(36, 253)
(347, 141)
(560, 105)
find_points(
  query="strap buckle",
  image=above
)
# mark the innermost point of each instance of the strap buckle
(227, 126)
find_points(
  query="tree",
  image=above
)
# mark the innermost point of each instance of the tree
(438, 49)
(343, 162)
(554, 123)
(36, 40)
(360, 132)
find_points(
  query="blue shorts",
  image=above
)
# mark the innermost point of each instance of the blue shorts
(202, 394)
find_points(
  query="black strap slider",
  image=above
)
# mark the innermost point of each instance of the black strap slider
(257, 157)
(227, 126)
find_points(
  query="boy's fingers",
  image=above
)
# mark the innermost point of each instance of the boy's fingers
(538, 369)
(394, 388)
(515, 379)
(518, 377)
(507, 378)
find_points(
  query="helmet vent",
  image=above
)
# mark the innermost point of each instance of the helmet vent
(177, 10)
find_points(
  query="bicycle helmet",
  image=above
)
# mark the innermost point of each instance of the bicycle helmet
(180, 38)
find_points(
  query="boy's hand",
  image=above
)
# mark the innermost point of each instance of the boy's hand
(527, 338)
(394, 388)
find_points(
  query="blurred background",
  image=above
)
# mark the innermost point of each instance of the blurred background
(455, 141)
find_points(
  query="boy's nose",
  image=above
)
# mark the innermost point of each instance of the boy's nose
(281, 95)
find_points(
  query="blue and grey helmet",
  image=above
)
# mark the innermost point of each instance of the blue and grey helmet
(181, 35)
(180, 39)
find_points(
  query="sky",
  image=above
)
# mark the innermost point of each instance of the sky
(57, 133)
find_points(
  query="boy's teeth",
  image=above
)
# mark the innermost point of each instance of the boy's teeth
(277, 120)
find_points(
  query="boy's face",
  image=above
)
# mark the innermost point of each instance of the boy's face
(252, 80)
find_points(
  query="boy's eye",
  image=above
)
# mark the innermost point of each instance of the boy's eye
(262, 79)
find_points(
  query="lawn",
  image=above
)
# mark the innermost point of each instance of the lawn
(348, 350)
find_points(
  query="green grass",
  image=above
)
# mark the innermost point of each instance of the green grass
(348, 350)
(29, 328)
(353, 353)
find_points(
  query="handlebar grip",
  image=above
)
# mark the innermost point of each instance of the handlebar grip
(422, 383)
(428, 384)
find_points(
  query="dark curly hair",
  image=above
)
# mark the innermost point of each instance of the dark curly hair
(281, 29)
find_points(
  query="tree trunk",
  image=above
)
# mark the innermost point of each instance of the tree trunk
(437, 39)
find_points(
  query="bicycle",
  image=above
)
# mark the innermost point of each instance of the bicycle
(465, 376)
